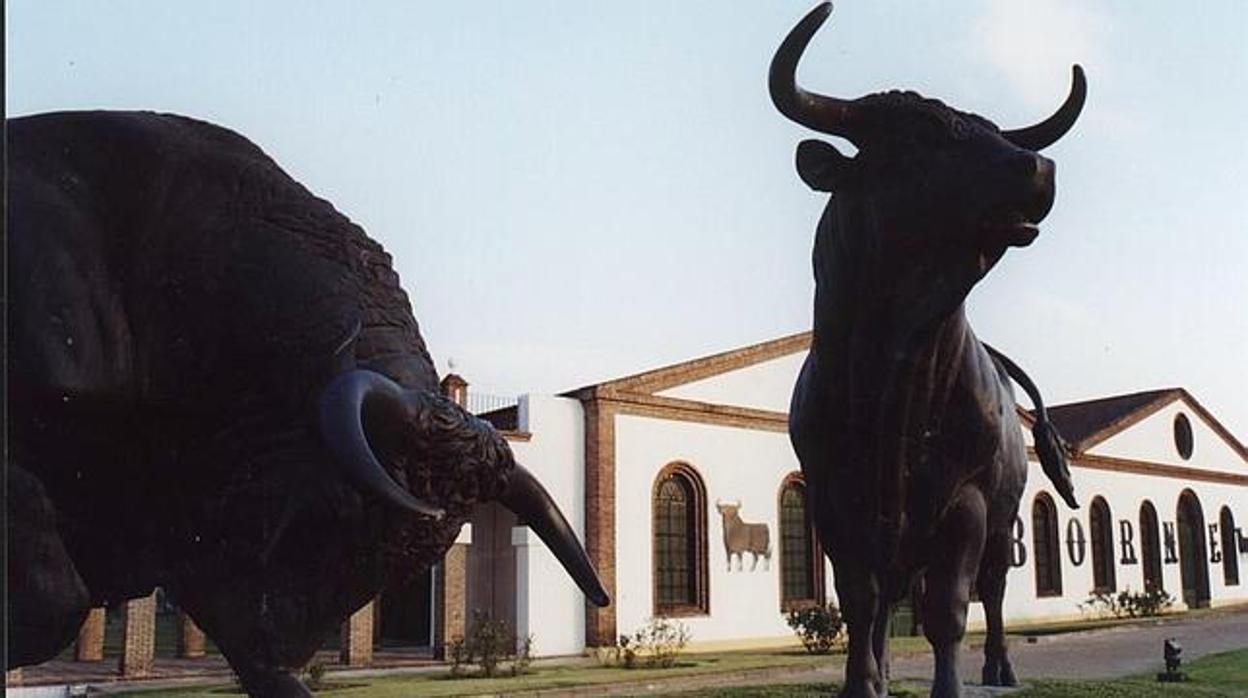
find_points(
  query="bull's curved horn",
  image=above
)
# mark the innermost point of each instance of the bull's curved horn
(1046, 133)
(341, 412)
(527, 499)
(822, 113)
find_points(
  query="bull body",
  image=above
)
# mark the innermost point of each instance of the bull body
(741, 537)
(903, 421)
(217, 386)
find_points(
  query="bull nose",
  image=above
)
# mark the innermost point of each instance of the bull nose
(1035, 176)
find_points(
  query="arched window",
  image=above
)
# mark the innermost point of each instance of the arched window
(1048, 555)
(1230, 547)
(1193, 555)
(1150, 544)
(680, 578)
(801, 558)
(1102, 529)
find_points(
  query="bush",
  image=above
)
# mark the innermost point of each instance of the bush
(1129, 604)
(490, 643)
(819, 627)
(661, 642)
(657, 645)
(524, 657)
(457, 652)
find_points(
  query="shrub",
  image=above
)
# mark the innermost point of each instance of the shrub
(661, 642)
(490, 643)
(457, 652)
(1129, 604)
(524, 657)
(657, 645)
(819, 627)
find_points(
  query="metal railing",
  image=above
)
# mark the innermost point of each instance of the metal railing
(480, 403)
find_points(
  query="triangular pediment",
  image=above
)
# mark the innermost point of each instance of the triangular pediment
(1167, 427)
(758, 377)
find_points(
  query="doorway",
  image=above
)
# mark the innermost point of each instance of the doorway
(404, 613)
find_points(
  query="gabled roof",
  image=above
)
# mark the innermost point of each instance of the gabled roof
(653, 381)
(1090, 422)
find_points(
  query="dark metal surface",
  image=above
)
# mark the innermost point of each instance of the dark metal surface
(904, 422)
(178, 307)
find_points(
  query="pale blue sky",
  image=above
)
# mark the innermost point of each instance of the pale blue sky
(574, 191)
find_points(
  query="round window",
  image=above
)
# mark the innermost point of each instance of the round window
(1183, 435)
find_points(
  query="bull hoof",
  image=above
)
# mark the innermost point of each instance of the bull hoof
(1001, 674)
(1007, 675)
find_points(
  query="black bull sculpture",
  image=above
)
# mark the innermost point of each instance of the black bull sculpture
(903, 421)
(218, 387)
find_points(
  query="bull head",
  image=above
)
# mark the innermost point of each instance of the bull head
(929, 183)
(439, 433)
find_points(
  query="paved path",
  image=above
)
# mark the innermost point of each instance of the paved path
(1105, 653)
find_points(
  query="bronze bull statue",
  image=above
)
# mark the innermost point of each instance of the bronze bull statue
(218, 387)
(904, 422)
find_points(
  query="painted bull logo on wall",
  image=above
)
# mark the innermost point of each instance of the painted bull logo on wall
(741, 537)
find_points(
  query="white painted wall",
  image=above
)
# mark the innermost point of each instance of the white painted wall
(1124, 493)
(749, 465)
(735, 464)
(548, 603)
(765, 386)
(1152, 439)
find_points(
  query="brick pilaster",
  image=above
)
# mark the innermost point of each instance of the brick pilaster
(600, 623)
(356, 647)
(138, 636)
(90, 644)
(450, 598)
(190, 637)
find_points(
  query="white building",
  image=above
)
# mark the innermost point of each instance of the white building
(640, 464)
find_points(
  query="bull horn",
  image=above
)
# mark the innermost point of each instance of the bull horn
(527, 499)
(341, 413)
(825, 114)
(1046, 133)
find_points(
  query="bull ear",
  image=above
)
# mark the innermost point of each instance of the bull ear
(820, 165)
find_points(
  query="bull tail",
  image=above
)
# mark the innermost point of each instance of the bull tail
(1051, 448)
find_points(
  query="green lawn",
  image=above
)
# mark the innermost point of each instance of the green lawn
(1222, 675)
(441, 684)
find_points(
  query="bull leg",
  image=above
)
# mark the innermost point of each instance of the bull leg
(47, 598)
(858, 592)
(991, 584)
(959, 545)
(879, 643)
(753, 561)
(265, 658)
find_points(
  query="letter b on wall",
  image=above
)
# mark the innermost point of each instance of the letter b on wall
(1018, 549)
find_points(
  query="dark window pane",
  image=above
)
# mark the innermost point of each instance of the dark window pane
(675, 567)
(1047, 554)
(796, 572)
(1102, 547)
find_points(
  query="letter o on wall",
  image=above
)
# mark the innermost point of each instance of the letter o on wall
(1076, 543)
